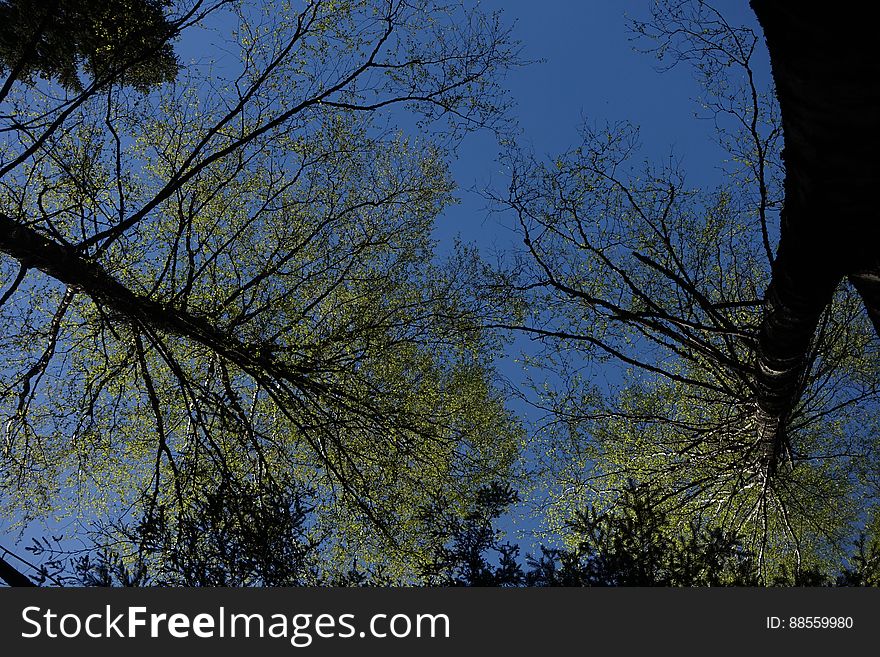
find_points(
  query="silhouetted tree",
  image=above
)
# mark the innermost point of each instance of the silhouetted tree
(821, 61)
(468, 549)
(623, 261)
(215, 277)
(634, 544)
(99, 40)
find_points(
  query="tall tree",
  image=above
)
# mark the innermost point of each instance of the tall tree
(824, 78)
(227, 280)
(625, 262)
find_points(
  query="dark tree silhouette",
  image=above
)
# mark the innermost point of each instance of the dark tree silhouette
(226, 275)
(103, 39)
(826, 81)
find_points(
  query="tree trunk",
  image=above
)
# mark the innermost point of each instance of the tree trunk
(867, 284)
(826, 76)
(65, 265)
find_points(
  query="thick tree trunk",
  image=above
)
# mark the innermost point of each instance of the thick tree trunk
(828, 84)
(65, 265)
(802, 286)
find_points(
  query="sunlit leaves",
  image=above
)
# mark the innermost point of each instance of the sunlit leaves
(281, 214)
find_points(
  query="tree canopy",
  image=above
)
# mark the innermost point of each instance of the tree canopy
(746, 409)
(232, 355)
(224, 284)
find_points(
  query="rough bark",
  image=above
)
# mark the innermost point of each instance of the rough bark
(826, 76)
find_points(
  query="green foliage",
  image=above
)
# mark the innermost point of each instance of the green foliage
(245, 300)
(125, 40)
(627, 266)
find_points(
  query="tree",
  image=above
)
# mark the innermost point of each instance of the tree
(245, 541)
(635, 544)
(225, 282)
(624, 262)
(828, 174)
(128, 39)
(250, 537)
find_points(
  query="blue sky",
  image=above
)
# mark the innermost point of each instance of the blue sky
(589, 70)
